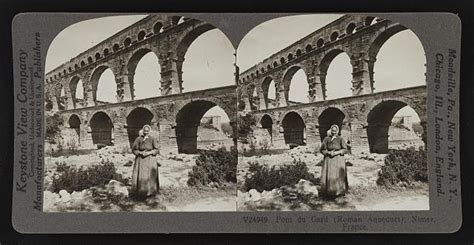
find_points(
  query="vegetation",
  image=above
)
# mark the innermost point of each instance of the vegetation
(407, 165)
(53, 124)
(261, 177)
(71, 179)
(227, 128)
(214, 167)
(244, 127)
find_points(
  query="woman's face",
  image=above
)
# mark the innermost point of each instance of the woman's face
(146, 131)
(333, 131)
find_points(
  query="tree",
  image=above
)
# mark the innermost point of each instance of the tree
(53, 124)
(244, 126)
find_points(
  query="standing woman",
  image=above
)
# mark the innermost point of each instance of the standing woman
(145, 180)
(334, 173)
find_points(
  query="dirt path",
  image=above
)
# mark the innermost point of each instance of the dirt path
(209, 204)
(419, 202)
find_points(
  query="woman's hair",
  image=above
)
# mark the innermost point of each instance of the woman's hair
(146, 126)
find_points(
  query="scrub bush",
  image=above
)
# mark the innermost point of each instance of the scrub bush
(214, 167)
(261, 177)
(71, 179)
(406, 165)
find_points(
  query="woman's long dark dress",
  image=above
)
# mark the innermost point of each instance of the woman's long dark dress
(145, 179)
(334, 173)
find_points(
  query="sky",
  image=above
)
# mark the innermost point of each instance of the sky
(400, 62)
(209, 61)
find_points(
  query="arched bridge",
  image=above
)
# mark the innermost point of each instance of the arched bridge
(174, 115)
(176, 118)
(364, 118)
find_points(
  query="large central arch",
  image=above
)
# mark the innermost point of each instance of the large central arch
(188, 120)
(289, 84)
(379, 120)
(293, 129)
(132, 69)
(184, 44)
(336, 75)
(136, 119)
(94, 80)
(101, 129)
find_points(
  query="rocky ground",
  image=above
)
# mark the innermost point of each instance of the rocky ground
(364, 194)
(175, 194)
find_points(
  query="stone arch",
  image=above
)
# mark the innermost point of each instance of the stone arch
(132, 66)
(327, 118)
(175, 20)
(73, 82)
(308, 48)
(294, 129)
(379, 62)
(379, 120)
(320, 43)
(158, 28)
(266, 122)
(94, 79)
(265, 88)
(74, 123)
(127, 42)
(185, 42)
(141, 35)
(378, 41)
(324, 66)
(116, 47)
(369, 20)
(90, 60)
(287, 79)
(188, 119)
(97, 56)
(290, 56)
(136, 119)
(101, 129)
(350, 28)
(106, 52)
(251, 90)
(334, 36)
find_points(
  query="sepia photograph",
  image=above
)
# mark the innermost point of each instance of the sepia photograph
(331, 115)
(140, 116)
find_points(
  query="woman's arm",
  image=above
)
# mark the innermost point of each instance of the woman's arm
(135, 150)
(324, 148)
(156, 147)
(344, 147)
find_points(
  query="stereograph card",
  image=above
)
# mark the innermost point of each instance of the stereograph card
(233, 122)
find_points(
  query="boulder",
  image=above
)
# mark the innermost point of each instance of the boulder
(116, 188)
(254, 195)
(305, 187)
(50, 199)
(64, 196)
